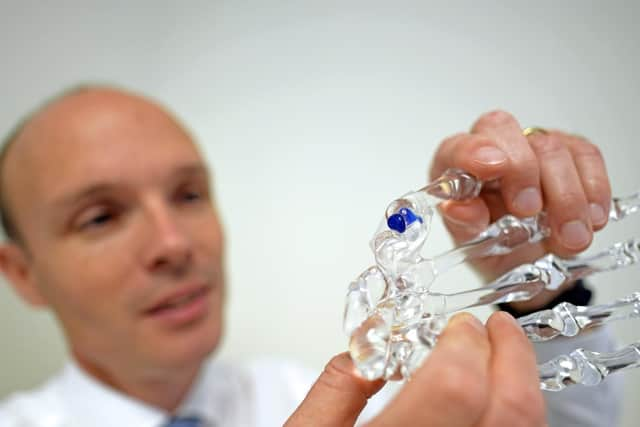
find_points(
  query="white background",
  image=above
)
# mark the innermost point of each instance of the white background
(314, 116)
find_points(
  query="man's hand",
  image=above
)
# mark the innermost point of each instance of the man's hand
(560, 173)
(475, 376)
(337, 397)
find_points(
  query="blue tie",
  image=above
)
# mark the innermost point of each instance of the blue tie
(185, 422)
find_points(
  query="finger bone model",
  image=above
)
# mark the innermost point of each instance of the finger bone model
(393, 319)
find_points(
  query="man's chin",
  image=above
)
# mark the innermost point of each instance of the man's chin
(189, 350)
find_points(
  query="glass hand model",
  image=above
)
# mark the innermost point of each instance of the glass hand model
(393, 319)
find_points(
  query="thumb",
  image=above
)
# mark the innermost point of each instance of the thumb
(337, 397)
(465, 220)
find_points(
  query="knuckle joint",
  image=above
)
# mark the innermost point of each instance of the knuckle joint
(546, 144)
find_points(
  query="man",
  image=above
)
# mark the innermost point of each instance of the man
(106, 203)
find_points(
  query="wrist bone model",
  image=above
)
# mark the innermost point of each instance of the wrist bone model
(393, 319)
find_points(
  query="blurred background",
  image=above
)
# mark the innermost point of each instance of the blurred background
(314, 115)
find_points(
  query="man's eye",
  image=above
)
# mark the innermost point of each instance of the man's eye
(100, 219)
(190, 196)
(97, 220)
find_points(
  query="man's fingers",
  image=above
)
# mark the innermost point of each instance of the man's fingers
(520, 182)
(515, 383)
(565, 198)
(465, 220)
(452, 387)
(337, 397)
(593, 174)
(475, 154)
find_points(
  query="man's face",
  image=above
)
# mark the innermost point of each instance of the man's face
(112, 200)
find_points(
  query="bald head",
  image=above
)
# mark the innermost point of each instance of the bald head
(11, 139)
(73, 113)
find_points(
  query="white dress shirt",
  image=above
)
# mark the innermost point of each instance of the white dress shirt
(264, 394)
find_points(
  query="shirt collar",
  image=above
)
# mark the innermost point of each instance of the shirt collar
(93, 403)
(219, 396)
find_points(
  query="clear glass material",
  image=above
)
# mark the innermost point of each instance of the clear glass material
(586, 367)
(621, 207)
(569, 320)
(453, 184)
(393, 319)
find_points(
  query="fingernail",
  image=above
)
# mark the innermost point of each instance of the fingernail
(528, 201)
(598, 216)
(466, 318)
(464, 230)
(454, 220)
(507, 317)
(489, 156)
(575, 234)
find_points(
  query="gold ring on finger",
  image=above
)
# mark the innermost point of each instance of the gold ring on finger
(534, 130)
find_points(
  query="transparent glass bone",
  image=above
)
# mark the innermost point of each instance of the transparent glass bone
(549, 272)
(569, 320)
(415, 318)
(401, 236)
(453, 184)
(621, 207)
(586, 367)
(392, 317)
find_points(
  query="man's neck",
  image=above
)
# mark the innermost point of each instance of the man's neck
(165, 392)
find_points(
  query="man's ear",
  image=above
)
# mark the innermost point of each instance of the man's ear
(14, 264)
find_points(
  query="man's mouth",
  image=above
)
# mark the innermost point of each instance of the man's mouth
(181, 307)
(178, 302)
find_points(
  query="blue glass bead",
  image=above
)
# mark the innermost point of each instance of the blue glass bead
(396, 222)
(409, 217)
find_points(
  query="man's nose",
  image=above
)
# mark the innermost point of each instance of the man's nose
(169, 248)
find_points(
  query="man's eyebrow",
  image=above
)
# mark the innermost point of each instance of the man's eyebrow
(84, 193)
(98, 188)
(192, 169)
